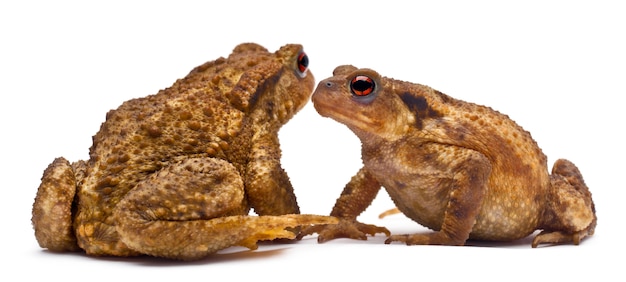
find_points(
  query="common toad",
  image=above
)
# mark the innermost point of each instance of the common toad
(461, 169)
(175, 174)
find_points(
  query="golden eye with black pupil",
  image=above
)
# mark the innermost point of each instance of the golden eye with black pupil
(362, 85)
(303, 62)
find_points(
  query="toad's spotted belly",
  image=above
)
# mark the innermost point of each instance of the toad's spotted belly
(425, 206)
(499, 219)
(503, 219)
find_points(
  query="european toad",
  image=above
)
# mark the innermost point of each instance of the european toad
(175, 174)
(461, 169)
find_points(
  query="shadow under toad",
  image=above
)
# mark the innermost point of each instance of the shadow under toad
(265, 250)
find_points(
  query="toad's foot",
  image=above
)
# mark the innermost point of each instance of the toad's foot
(344, 229)
(280, 227)
(437, 238)
(389, 212)
(571, 213)
(558, 237)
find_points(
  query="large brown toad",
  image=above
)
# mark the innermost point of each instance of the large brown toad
(175, 174)
(461, 169)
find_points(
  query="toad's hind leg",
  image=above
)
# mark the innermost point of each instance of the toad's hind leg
(571, 214)
(194, 208)
(52, 210)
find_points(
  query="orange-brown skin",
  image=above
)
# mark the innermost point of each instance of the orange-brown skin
(461, 169)
(175, 174)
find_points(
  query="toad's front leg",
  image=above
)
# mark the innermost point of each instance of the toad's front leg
(268, 188)
(355, 198)
(194, 208)
(465, 199)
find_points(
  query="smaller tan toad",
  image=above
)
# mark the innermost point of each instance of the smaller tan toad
(461, 169)
(175, 174)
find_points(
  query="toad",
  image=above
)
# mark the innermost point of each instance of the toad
(463, 170)
(176, 173)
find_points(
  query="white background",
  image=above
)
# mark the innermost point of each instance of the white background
(557, 68)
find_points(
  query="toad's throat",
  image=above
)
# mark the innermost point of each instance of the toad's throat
(353, 120)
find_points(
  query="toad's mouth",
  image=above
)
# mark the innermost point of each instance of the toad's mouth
(341, 113)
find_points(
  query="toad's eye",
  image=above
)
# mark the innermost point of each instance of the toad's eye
(362, 85)
(303, 63)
